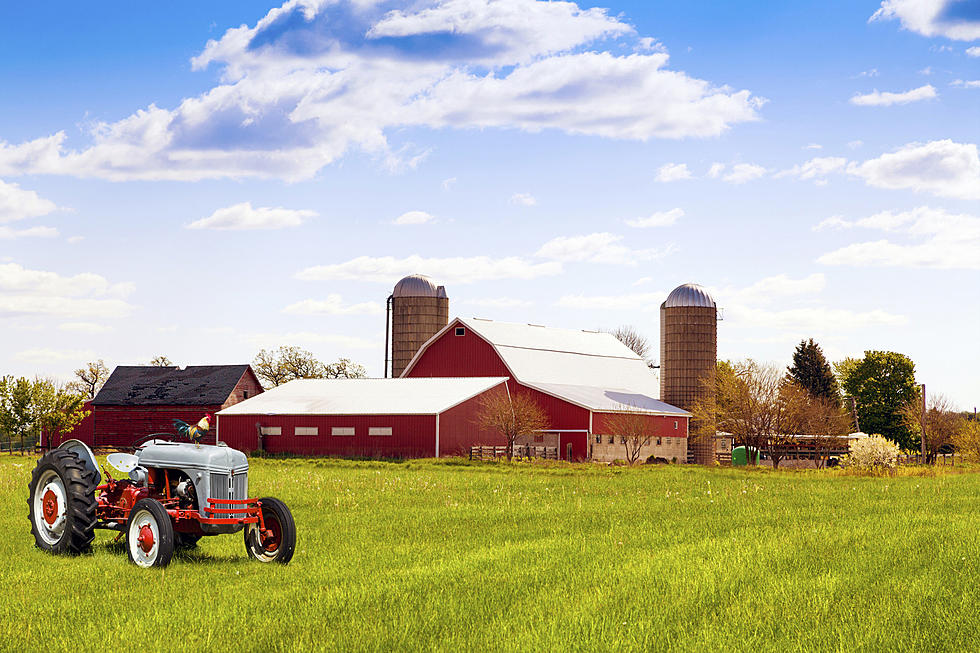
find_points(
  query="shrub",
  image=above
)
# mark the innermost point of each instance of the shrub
(873, 452)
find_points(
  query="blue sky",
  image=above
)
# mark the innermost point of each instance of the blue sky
(204, 179)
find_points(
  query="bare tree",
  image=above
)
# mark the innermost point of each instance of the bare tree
(629, 336)
(90, 379)
(634, 428)
(289, 363)
(161, 361)
(942, 422)
(513, 417)
(344, 369)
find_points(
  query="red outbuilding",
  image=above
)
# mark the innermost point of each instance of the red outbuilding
(580, 378)
(375, 418)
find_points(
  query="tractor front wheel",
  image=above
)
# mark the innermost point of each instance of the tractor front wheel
(278, 541)
(150, 534)
(62, 503)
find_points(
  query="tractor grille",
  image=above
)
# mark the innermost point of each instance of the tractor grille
(239, 487)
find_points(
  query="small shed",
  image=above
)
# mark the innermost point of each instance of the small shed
(372, 418)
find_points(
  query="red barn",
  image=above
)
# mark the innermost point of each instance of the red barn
(581, 379)
(376, 418)
(139, 400)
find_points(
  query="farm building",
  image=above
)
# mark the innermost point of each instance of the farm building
(582, 379)
(381, 418)
(139, 400)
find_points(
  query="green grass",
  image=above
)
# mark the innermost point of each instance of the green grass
(434, 555)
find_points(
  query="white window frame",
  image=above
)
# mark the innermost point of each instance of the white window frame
(270, 430)
(306, 431)
(380, 431)
(342, 431)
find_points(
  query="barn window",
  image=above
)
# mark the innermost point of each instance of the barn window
(539, 438)
(460, 331)
(658, 442)
(598, 439)
(342, 430)
(612, 439)
(379, 430)
(675, 424)
(622, 439)
(271, 430)
(244, 394)
(306, 430)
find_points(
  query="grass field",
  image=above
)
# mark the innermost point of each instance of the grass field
(442, 556)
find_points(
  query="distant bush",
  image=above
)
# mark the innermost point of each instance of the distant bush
(873, 452)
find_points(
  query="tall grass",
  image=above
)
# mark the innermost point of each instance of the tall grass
(448, 555)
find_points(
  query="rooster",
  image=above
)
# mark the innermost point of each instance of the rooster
(194, 433)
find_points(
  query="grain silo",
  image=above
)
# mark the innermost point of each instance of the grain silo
(418, 309)
(688, 353)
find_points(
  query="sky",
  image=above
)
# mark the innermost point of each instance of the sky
(202, 180)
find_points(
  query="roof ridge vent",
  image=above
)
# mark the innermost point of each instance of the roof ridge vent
(536, 325)
(482, 319)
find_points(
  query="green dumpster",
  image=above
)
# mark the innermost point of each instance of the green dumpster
(739, 457)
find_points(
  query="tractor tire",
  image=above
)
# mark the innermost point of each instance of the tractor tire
(186, 540)
(62, 503)
(281, 545)
(149, 534)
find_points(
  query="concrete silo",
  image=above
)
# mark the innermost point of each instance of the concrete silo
(688, 352)
(417, 309)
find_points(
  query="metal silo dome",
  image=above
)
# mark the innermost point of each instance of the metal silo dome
(416, 285)
(690, 294)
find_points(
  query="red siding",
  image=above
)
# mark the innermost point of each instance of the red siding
(458, 429)
(413, 436)
(248, 386)
(84, 431)
(119, 426)
(466, 355)
(662, 426)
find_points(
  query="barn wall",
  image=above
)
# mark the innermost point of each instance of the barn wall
(452, 355)
(84, 431)
(247, 386)
(458, 428)
(413, 436)
(667, 442)
(119, 426)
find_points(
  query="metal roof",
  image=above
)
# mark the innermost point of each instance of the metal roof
(417, 285)
(422, 396)
(149, 385)
(690, 294)
(609, 399)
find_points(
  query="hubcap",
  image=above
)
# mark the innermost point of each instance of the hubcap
(50, 507)
(146, 538)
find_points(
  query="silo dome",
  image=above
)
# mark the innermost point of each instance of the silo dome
(416, 285)
(690, 294)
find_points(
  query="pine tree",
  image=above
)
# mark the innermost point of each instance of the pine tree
(811, 371)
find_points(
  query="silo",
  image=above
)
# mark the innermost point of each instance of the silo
(418, 310)
(688, 353)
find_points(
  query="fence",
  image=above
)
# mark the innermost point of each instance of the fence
(521, 452)
(21, 443)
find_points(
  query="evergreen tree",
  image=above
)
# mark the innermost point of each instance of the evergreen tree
(811, 371)
(882, 382)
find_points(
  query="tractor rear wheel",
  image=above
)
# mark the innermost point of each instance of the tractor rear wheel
(278, 542)
(62, 503)
(150, 534)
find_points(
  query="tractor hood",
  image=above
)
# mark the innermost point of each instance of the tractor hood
(183, 455)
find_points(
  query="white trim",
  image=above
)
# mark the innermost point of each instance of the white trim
(437, 434)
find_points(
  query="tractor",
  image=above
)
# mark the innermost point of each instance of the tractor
(168, 495)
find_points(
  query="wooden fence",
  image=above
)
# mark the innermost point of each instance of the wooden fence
(521, 452)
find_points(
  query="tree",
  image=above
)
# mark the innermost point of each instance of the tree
(811, 371)
(27, 407)
(632, 338)
(634, 428)
(967, 438)
(289, 363)
(59, 408)
(161, 361)
(941, 420)
(882, 383)
(90, 379)
(514, 417)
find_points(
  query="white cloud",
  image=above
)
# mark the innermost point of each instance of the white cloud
(597, 248)
(447, 184)
(933, 238)
(84, 327)
(716, 169)
(855, 144)
(460, 269)
(926, 71)
(44, 355)
(873, 72)
(413, 217)
(498, 302)
(642, 280)
(524, 199)
(833, 222)
(658, 219)
(943, 168)
(779, 287)
(673, 172)
(954, 20)
(974, 51)
(886, 99)
(19, 204)
(813, 146)
(313, 81)
(332, 305)
(242, 217)
(38, 292)
(963, 83)
(7, 233)
(817, 169)
(645, 302)
(743, 172)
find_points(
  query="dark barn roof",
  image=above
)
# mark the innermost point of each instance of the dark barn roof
(198, 385)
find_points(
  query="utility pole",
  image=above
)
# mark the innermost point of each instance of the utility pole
(922, 424)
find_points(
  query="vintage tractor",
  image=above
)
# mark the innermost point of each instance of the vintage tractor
(173, 494)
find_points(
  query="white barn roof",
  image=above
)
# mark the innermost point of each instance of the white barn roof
(422, 396)
(609, 400)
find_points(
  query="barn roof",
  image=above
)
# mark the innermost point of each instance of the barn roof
(609, 399)
(416, 396)
(547, 355)
(196, 385)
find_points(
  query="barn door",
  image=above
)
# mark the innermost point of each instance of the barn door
(568, 452)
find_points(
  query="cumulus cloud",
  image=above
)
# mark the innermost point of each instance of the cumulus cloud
(963, 83)
(19, 204)
(459, 269)
(243, 217)
(8, 233)
(743, 172)
(779, 287)
(658, 219)
(885, 99)
(944, 168)
(312, 81)
(921, 238)
(413, 217)
(332, 305)
(974, 51)
(598, 248)
(42, 293)
(955, 19)
(817, 169)
(524, 199)
(673, 172)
